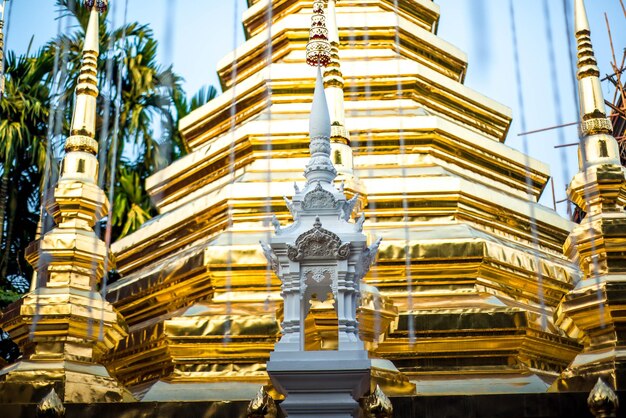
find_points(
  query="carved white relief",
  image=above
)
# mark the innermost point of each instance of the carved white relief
(270, 256)
(358, 226)
(367, 258)
(291, 208)
(319, 198)
(316, 279)
(318, 242)
(320, 145)
(348, 207)
(275, 224)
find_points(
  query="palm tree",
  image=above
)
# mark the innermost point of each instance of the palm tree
(23, 138)
(132, 206)
(129, 73)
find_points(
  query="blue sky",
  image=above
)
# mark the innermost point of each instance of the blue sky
(196, 34)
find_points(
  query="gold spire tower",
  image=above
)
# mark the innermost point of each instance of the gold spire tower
(593, 312)
(334, 85)
(63, 325)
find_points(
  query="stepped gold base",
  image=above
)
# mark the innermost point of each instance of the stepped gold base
(74, 382)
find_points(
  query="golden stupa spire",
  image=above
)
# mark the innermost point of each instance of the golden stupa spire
(84, 117)
(334, 86)
(588, 312)
(64, 326)
(79, 169)
(592, 108)
(333, 80)
(598, 146)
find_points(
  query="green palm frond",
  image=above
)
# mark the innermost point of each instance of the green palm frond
(151, 96)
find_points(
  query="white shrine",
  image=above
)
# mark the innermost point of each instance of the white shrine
(322, 255)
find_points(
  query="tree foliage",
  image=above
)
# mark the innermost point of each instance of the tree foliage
(23, 143)
(136, 139)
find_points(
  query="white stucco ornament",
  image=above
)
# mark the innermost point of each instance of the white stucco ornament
(321, 257)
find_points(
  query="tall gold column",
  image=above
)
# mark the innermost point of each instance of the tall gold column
(63, 325)
(333, 86)
(594, 311)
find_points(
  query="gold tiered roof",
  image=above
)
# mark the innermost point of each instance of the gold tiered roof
(456, 293)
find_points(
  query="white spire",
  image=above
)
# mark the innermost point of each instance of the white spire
(319, 124)
(320, 167)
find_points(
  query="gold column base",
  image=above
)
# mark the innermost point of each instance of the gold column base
(392, 381)
(201, 346)
(30, 381)
(594, 313)
(62, 333)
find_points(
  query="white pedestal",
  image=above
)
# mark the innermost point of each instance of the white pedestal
(320, 383)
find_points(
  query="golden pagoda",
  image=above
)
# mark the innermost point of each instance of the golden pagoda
(478, 297)
(470, 270)
(593, 312)
(63, 325)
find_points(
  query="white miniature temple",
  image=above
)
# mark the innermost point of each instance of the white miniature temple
(321, 256)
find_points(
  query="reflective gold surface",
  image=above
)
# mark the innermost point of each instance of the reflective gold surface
(51, 406)
(456, 297)
(603, 401)
(477, 287)
(262, 406)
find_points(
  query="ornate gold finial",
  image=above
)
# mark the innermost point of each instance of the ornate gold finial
(378, 405)
(602, 400)
(80, 162)
(592, 107)
(598, 146)
(262, 406)
(333, 76)
(83, 130)
(51, 406)
(333, 80)
(318, 48)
